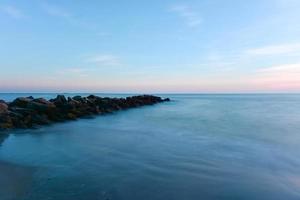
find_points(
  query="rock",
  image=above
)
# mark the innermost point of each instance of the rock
(43, 101)
(30, 97)
(40, 119)
(4, 126)
(28, 112)
(59, 100)
(3, 108)
(71, 116)
(91, 96)
(5, 121)
(77, 98)
(80, 99)
(40, 107)
(73, 102)
(21, 102)
(22, 111)
(20, 117)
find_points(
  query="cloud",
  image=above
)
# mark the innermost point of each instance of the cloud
(274, 50)
(60, 12)
(74, 71)
(12, 11)
(287, 68)
(56, 11)
(104, 60)
(186, 12)
(286, 76)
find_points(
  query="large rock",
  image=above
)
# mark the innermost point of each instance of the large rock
(6, 121)
(40, 107)
(43, 101)
(59, 100)
(40, 119)
(21, 102)
(3, 108)
(77, 98)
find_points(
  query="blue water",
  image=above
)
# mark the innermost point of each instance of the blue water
(194, 147)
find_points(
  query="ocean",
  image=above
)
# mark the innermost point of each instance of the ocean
(206, 146)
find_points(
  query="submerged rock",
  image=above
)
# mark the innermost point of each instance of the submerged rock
(27, 112)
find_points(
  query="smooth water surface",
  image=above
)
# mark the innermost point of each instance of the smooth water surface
(194, 147)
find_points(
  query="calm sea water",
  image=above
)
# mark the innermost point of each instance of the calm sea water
(195, 147)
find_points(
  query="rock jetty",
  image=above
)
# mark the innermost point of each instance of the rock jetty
(29, 112)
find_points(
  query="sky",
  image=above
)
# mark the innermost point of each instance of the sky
(157, 46)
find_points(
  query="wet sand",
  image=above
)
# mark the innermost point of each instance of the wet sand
(14, 180)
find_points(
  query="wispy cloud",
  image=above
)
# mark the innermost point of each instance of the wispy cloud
(64, 14)
(104, 60)
(274, 49)
(191, 17)
(292, 68)
(245, 57)
(56, 11)
(12, 11)
(286, 76)
(75, 71)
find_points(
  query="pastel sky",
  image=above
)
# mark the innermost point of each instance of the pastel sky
(149, 46)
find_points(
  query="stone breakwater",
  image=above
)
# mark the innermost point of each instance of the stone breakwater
(28, 112)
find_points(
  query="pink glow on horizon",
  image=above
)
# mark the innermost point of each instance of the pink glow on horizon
(282, 78)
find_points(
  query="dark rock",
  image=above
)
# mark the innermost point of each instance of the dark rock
(73, 102)
(28, 112)
(3, 108)
(59, 100)
(22, 111)
(40, 107)
(40, 119)
(77, 98)
(5, 121)
(71, 116)
(30, 97)
(43, 101)
(91, 96)
(21, 102)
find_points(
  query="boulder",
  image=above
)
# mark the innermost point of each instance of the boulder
(21, 102)
(71, 116)
(40, 119)
(43, 101)
(3, 108)
(5, 121)
(77, 98)
(59, 100)
(73, 102)
(91, 96)
(40, 107)
(80, 99)
(30, 97)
